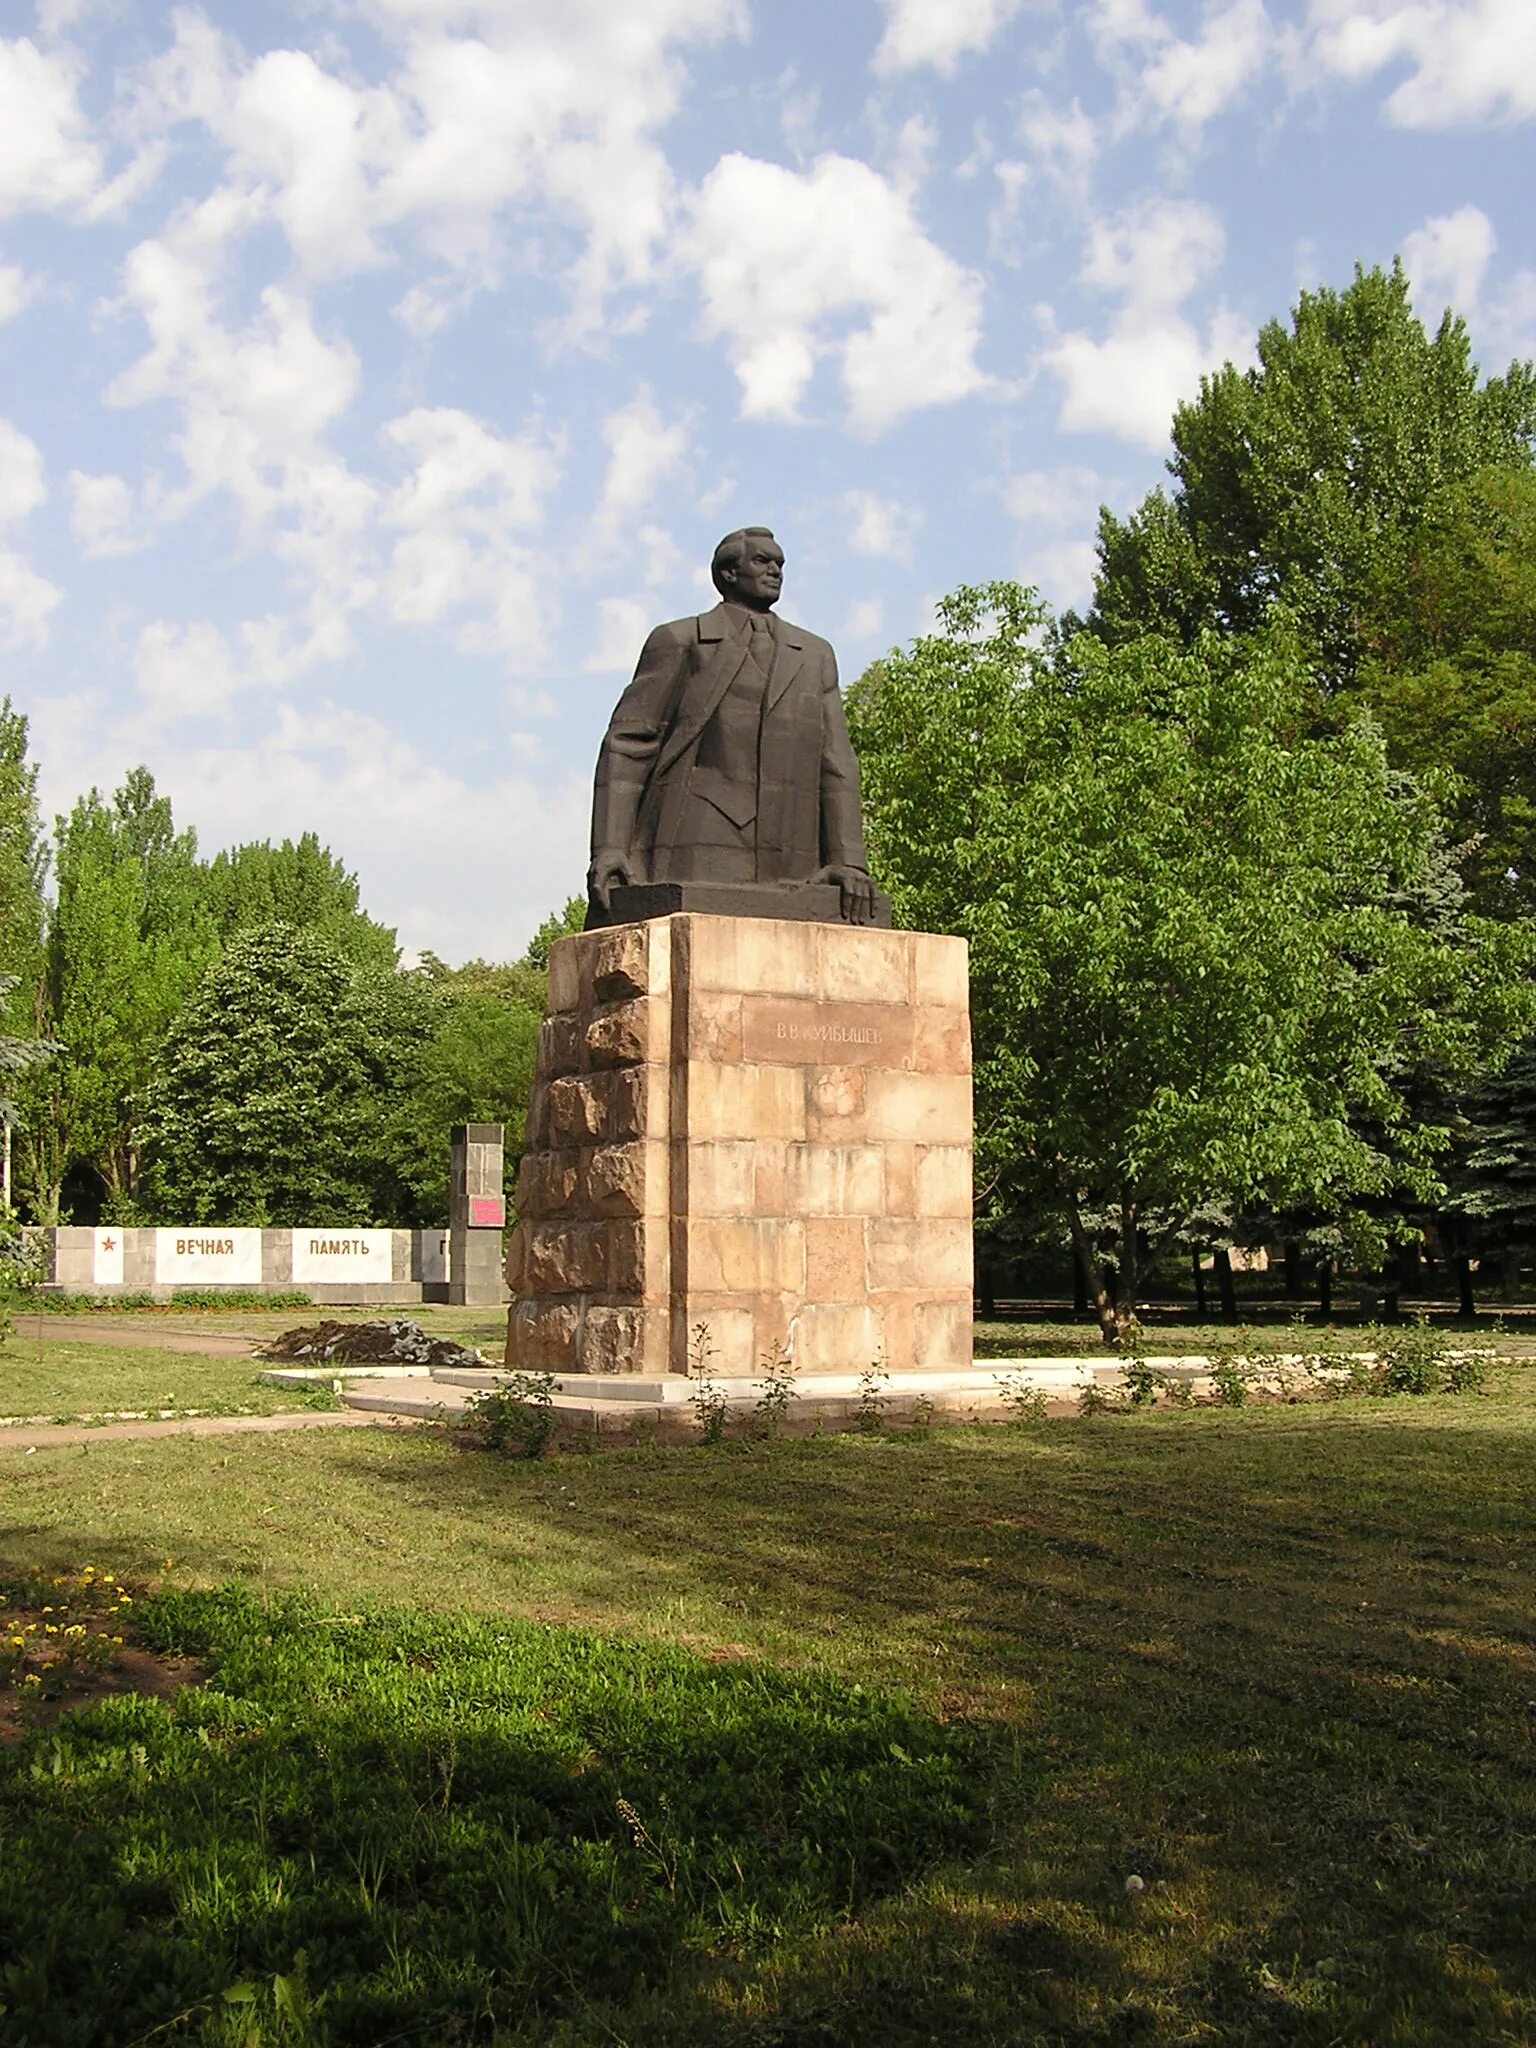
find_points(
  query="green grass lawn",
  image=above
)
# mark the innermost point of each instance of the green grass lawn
(1278, 1663)
(63, 1381)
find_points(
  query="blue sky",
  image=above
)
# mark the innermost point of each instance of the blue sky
(374, 372)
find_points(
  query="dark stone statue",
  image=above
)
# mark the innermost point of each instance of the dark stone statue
(727, 781)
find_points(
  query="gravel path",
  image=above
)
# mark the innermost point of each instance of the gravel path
(44, 1435)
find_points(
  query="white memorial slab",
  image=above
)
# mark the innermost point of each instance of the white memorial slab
(432, 1255)
(352, 1256)
(209, 1257)
(107, 1257)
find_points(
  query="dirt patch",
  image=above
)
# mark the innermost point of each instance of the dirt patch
(67, 1641)
(397, 1341)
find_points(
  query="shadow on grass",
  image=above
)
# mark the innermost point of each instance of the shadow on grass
(1277, 1665)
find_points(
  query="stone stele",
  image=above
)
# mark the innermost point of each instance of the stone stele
(751, 1128)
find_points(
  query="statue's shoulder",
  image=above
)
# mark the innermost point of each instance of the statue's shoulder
(804, 637)
(710, 625)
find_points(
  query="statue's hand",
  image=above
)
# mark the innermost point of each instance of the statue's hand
(858, 892)
(610, 869)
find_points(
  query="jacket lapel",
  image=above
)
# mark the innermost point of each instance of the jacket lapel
(786, 665)
(725, 651)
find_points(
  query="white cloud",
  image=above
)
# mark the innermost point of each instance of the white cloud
(1062, 140)
(17, 291)
(645, 448)
(788, 259)
(1448, 261)
(104, 517)
(623, 623)
(1065, 496)
(185, 671)
(1471, 62)
(1184, 81)
(27, 600)
(864, 622)
(939, 32)
(471, 496)
(1128, 382)
(1063, 572)
(464, 868)
(883, 528)
(47, 161)
(488, 110)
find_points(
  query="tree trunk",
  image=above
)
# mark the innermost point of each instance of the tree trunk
(1224, 1285)
(1099, 1285)
(1292, 1269)
(1325, 1289)
(1198, 1272)
(988, 1293)
(1079, 1285)
(1466, 1304)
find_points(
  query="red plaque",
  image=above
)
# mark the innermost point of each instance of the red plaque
(487, 1212)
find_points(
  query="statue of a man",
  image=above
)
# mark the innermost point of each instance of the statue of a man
(728, 757)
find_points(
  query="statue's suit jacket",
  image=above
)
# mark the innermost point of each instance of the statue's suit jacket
(806, 774)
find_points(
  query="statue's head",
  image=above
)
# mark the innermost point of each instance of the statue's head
(748, 568)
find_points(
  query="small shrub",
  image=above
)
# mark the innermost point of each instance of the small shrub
(778, 1391)
(1466, 1372)
(1143, 1382)
(1411, 1358)
(1229, 1375)
(1092, 1399)
(706, 1398)
(1024, 1402)
(870, 1414)
(517, 1417)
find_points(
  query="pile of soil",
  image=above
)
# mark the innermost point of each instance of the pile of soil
(398, 1341)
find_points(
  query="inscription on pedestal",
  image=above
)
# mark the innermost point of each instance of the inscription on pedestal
(826, 1034)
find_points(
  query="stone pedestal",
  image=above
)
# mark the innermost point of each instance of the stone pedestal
(476, 1214)
(756, 1126)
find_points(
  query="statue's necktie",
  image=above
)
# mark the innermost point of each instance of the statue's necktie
(760, 642)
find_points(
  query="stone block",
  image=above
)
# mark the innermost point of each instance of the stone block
(627, 1180)
(729, 1345)
(835, 1264)
(627, 1034)
(753, 955)
(565, 1258)
(858, 965)
(559, 1049)
(565, 976)
(930, 1109)
(714, 1026)
(919, 1253)
(942, 1041)
(621, 963)
(543, 1336)
(744, 1102)
(638, 1257)
(942, 1334)
(943, 1180)
(514, 1265)
(578, 1109)
(770, 1176)
(838, 1336)
(900, 1157)
(834, 1180)
(940, 971)
(612, 1339)
(720, 1179)
(834, 1105)
(747, 1255)
(638, 1103)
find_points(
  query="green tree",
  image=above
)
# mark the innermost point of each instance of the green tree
(23, 865)
(126, 942)
(278, 1091)
(556, 926)
(299, 883)
(477, 1067)
(1305, 480)
(1210, 949)
(1450, 670)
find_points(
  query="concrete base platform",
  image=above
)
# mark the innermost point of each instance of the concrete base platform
(983, 1393)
